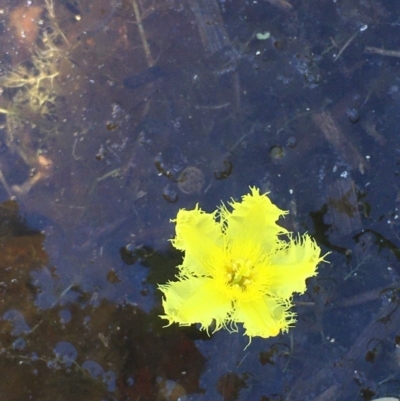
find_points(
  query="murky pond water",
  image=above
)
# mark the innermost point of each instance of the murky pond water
(115, 114)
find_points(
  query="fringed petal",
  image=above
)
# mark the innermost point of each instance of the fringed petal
(254, 221)
(200, 237)
(266, 317)
(291, 266)
(195, 300)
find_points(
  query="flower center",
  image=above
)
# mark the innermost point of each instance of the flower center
(239, 273)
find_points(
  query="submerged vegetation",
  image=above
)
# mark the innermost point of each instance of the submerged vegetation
(30, 92)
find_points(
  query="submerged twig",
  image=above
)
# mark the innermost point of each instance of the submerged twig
(5, 185)
(382, 52)
(142, 33)
(339, 140)
(285, 5)
(344, 47)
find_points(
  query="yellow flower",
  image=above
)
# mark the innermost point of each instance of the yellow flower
(238, 269)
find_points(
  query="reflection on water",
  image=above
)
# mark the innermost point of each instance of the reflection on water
(82, 347)
(116, 113)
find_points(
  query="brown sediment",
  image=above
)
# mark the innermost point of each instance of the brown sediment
(24, 23)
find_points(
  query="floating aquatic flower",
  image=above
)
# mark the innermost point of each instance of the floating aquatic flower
(238, 268)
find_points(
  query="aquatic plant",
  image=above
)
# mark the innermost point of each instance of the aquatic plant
(30, 91)
(239, 267)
